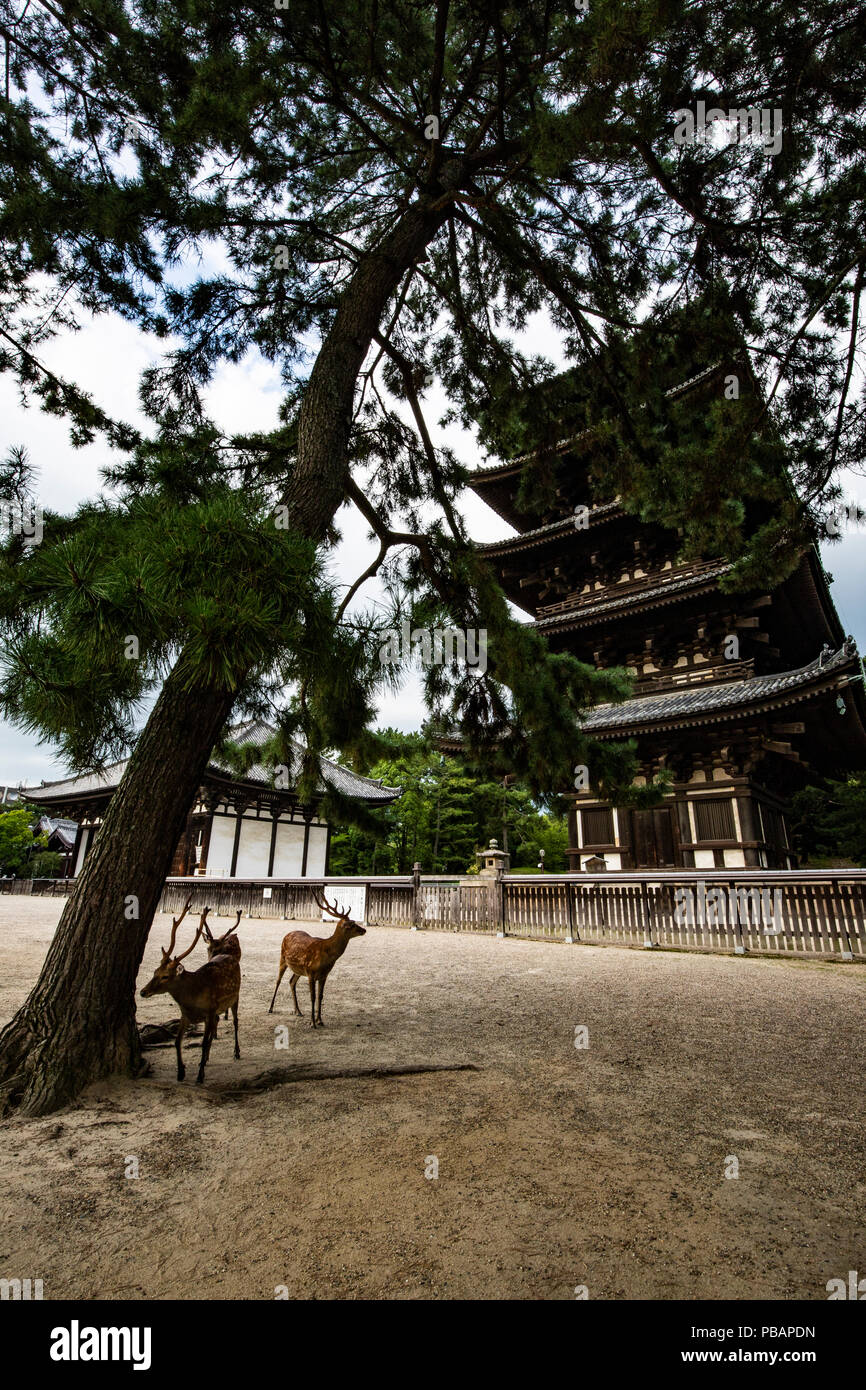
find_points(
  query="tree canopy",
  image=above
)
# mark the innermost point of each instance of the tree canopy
(397, 191)
(396, 194)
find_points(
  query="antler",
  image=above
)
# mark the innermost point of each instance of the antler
(201, 926)
(235, 924)
(175, 923)
(207, 931)
(323, 903)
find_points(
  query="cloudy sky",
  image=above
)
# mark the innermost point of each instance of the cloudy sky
(106, 359)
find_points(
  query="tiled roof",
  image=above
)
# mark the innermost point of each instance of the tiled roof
(254, 732)
(653, 593)
(65, 830)
(720, 701)
(539, 534)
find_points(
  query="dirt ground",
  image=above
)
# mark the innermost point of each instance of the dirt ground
(601, 1167)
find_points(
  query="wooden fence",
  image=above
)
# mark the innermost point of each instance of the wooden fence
(38, 887)
(809, 912)
(787, 912)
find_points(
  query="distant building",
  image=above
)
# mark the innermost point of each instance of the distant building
(237, 827)
(60, 839)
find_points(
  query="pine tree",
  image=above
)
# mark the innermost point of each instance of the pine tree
(402, 186)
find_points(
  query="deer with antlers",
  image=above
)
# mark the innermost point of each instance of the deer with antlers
(315, 956)
(225, 945)
(201, 994)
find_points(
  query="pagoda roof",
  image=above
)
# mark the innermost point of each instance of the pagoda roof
(253, 732)
(711, 704)
(651, 595)
(540, 535)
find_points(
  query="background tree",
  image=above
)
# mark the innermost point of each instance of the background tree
(17, 840)
(829, 822)
(401, 186)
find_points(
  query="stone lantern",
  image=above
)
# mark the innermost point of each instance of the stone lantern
(493, 862)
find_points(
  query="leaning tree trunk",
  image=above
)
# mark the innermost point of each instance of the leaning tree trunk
(79, 1022)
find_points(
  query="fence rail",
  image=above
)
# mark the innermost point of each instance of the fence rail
(38, 887)
(808, 912)
(787, 912)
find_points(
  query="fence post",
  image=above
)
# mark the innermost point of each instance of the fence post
(416, 896)
(569, 907)
(648, 918)
(839, 910)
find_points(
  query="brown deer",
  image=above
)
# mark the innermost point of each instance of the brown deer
(225, 945)
(201, 994)
(315, 957)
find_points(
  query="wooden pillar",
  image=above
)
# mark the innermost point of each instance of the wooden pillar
(205, 839)
(275, 814)
(240, 807)
(746, 809)
(306, 846)
(79, 831)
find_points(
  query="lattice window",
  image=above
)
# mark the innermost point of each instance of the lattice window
(598, 826)
(714, 819)
(774, 827)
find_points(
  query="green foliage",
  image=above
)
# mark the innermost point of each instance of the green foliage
(138, 135)
(446, 812)
(93, 617)
(17, 840)
(46, 865)
(830, 822)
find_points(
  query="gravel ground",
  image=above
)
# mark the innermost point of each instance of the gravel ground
(559, 1166)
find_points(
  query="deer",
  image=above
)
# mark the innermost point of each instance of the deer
(315, 956)
(201, 994)
(225, 945)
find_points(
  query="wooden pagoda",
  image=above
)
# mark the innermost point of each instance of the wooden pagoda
(740, 725)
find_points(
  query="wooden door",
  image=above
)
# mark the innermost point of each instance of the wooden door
(653, 839)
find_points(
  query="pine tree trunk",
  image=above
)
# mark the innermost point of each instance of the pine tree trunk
(79, 1022)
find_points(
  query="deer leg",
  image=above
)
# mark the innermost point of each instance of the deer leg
(178, 1039)
(237, 1045)
(313, 1000)
(294, 983)
(279, 980)
(321, 992)
(209, 1029)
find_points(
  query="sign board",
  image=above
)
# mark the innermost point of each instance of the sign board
(352, 898)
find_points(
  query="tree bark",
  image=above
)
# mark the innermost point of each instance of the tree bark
(78, 1024)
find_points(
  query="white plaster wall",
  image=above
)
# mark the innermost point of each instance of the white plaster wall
(289, 850)
(254, 849)
(222, 839)
(317, 851)
(704, 858)
(734, 858)
(82, 850)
